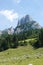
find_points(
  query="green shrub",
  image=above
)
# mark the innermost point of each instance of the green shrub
(23, 43)
(34, 43)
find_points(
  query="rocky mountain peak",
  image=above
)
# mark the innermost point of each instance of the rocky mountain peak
(26, 23)
(24, 20)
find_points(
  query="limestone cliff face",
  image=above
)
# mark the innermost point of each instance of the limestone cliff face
(8, 31)
(26, 23)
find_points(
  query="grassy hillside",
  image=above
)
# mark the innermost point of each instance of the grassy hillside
(24, 55)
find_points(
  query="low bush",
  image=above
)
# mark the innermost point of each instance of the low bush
(34, 43)
(23, 43)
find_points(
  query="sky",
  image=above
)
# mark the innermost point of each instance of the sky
(12, 10)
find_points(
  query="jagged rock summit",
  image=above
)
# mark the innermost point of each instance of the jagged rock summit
(26, 23)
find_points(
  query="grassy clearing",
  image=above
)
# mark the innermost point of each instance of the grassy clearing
(24, 55)
(27, 40)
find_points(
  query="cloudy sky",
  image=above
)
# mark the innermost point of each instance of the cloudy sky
(12, 10)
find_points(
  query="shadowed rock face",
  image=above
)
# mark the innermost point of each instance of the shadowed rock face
(24, 20)
(26, 23)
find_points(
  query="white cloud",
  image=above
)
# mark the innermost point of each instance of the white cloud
(9, 14)
(17, 1)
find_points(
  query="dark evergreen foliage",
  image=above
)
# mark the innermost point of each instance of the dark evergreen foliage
(11, 41)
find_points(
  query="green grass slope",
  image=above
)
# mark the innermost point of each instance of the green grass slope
(23, 55)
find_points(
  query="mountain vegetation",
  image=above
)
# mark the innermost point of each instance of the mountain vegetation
(26, 28)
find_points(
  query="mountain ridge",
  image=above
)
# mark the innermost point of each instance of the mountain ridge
(24, 24)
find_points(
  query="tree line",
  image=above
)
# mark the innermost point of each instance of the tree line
(11, 41)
